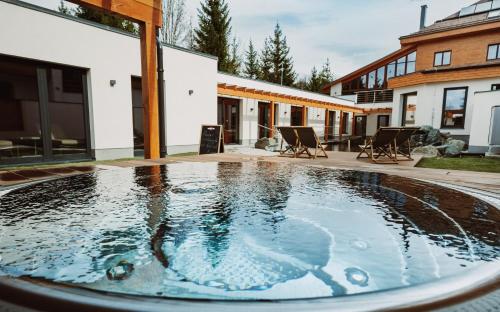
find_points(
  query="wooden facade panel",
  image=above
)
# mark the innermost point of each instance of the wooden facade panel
(469, 50)
(446, 76)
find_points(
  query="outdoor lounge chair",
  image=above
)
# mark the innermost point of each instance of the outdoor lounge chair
(402, 146)
(290, 138)
(380, 145)
(309, 140)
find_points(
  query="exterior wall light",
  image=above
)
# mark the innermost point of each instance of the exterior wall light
(191, 92)
(112, 83)
(251, 109)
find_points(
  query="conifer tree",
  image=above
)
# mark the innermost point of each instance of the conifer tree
(314, 83)
(62, 8)
(234, 62)
(326, 74)
(276, 62)
(214, 30)
(251, 62)
(105, 19)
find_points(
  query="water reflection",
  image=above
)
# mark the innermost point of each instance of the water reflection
(245, 231)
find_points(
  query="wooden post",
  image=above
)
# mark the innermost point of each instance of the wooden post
(150, 91)
(327, 128)
(353, 126)
(271, 133)
(341, 128)
(304, 116)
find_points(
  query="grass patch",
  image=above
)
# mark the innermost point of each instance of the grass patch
(479, 164)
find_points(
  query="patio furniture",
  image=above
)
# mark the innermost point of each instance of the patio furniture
(402, 146)
(380, 145)
(290, 138)
(309, 140)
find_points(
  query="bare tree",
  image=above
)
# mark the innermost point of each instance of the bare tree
(175, 28)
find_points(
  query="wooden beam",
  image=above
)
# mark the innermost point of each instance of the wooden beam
(150, 91)
(149, 11)
(261, 95)
(272, 112)
(305, 114)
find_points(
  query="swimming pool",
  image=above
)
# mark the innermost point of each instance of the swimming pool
(243, 231)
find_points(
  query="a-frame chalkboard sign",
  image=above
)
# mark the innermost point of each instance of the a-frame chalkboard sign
(211, 140)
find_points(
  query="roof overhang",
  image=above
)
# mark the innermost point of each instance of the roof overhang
(261, 95)
(449, 32)
(372, 66)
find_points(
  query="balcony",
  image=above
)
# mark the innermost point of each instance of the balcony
(374, 96)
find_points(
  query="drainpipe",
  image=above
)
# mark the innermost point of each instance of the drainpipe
(161, 95)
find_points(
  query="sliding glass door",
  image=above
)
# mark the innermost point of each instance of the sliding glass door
(43, 112)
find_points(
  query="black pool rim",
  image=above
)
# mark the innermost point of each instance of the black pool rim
(27, 293)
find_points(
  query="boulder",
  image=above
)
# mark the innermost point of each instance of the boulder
(121, 271)
(453, 148)
(426, 151)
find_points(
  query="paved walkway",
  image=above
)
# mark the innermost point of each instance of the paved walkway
(475, 180)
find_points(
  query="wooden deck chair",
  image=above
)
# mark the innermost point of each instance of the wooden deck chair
(402, 146)
(380, 145)
(290, 138)
(309, 140)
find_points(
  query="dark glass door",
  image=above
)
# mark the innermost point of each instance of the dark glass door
(330, 124)
(43, 112)
(229, 118)
(360, 126)
(296, 116)
(138, 116)
(264, 118)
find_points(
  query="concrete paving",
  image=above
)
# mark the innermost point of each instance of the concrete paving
(343, 160)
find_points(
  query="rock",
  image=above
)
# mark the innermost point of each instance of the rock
(262, 143)
(121, 271)
(426, 151)
(266, 144)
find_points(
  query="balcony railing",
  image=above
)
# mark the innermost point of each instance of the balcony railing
(374, 96)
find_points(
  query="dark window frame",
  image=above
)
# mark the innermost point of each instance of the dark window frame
(380, 117)
(488, 52)
(442, 58)
(445, 95)
(495, 87)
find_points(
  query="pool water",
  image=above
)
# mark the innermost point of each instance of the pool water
(243, 231)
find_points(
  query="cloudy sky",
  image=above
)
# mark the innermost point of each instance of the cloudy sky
(350, 33)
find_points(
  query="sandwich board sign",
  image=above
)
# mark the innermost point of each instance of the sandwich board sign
(211, 140)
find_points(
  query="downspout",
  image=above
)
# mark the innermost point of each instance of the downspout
(161, 96)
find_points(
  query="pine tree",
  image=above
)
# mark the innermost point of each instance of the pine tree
(62, 8)
(314, 83)
(251, 62)
(326, 75)
(105, 19)
(234, 62)
(276, 62)
(214, 30)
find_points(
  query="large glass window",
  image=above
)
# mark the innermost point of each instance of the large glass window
(371, 79)
(411, 62)
(42, 112)
(381, 77)
(362, 82)
(493, 52)
(454, 107)
(138, 116)
(401, 66)
(442, 58)
(20, 122)
(391, 70)
(67, 111)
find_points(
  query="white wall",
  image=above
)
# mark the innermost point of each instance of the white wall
(481, 119)
(109, 56)
(430, 103)
(186, 113)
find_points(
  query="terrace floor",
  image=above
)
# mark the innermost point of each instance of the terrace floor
(472, 180)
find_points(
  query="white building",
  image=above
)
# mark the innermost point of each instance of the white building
(70, 90)
(446, 75)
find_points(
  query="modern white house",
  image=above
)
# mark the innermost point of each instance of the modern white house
(446, 75)
(70, 90)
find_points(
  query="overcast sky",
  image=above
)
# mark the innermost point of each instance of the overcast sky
(350, 33)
